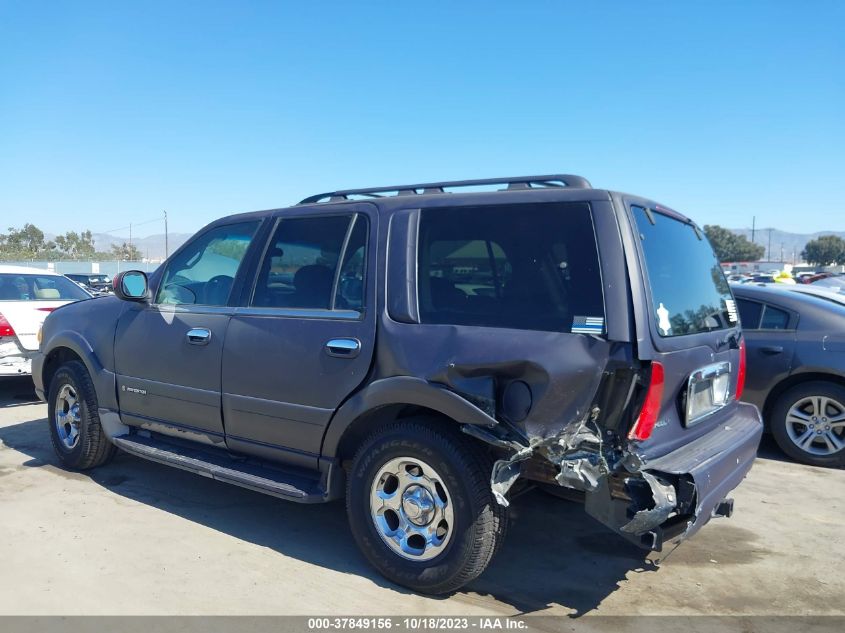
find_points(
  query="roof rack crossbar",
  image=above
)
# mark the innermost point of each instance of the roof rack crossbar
(520, 182)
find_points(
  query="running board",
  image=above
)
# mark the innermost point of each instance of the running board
(220, 465)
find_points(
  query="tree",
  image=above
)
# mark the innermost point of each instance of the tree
(126, 252)
(25, 243)
(825, 251)
(76, 245)
(731, 247)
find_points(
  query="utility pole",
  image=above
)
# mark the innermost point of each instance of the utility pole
(781, 252)
(130, 237)
(165, 236)
(753, 226)
(770, 244)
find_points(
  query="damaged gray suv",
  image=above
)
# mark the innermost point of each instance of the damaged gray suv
(425, 351)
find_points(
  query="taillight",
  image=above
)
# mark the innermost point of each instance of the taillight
(651, 407)
(45, 309)
(740, 374)
(6, 328)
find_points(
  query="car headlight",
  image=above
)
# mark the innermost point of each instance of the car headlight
(39, 336)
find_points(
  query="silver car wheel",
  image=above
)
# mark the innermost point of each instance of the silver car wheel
(816, 425)
(67, 416)
(412, 509)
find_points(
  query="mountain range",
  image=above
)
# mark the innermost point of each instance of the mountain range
(790, 244)
(784, 246)
(151, 247)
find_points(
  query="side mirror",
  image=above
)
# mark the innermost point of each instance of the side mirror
(131, 285)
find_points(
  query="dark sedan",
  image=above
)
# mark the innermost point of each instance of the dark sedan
(795, 344)
(98, 283)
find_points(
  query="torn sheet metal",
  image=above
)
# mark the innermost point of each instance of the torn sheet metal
(505, 473)
(655, 511)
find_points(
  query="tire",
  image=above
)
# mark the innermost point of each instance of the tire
(820, 404)
(75, 428)
(464, 522)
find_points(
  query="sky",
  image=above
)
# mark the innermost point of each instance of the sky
(111, 112)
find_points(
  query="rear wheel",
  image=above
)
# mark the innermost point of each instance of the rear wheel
(420, 506)
(75, 429)
(808, 423)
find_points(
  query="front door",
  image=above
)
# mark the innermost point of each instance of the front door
(303, 341)
(168, 351)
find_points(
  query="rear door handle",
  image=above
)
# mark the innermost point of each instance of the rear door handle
(198, 336)
(771, 350)
(343, 347)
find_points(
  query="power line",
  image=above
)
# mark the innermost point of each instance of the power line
(133, 224)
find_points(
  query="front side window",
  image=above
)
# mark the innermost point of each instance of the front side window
(204, 271)
(314, 263)
(28, 287)
(531, 267)
(688, 288)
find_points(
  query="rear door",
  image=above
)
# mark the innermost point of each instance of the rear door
(303, 339)
(168, 352)
(688, 323)
(769, 332)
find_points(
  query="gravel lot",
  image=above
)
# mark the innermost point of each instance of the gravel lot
(139, 538)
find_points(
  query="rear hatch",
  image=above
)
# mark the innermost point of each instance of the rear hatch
(691, 335)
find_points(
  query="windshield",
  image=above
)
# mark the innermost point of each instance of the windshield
(836, 284)
(688, 288)
(39, 288)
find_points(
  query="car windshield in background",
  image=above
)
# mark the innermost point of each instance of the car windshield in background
(39, 288)
(836, 284)
(688, 288)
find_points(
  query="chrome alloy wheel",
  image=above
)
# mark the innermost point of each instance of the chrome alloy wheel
(816, 425)
(411, 509)
(66, 417)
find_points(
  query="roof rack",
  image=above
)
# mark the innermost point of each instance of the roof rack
(520, 182)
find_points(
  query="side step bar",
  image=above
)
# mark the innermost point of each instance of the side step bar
(291, 486)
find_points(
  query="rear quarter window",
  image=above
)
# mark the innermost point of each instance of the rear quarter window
(529, 267)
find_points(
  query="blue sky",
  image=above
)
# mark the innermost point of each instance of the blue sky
(113, 111)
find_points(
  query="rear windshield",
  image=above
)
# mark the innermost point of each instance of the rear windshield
(530, 267)
(688, 288)
(39, 288)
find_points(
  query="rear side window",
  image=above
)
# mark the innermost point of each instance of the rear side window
(688, 288)
(774, 319)
(749, 313)
(530, 267)
(314, 262)
(39, 288)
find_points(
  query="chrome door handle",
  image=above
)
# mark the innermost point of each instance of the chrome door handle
(343, 347)
(199, 336)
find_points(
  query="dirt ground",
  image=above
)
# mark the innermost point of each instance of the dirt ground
(139, 538)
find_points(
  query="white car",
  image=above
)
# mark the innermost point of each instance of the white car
(27, 296)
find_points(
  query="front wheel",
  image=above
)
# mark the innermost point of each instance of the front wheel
(75, 429)
(420, 505)
(808, 423)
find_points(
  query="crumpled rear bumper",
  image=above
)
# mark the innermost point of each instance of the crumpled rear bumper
(673, 496)
(14, 360)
